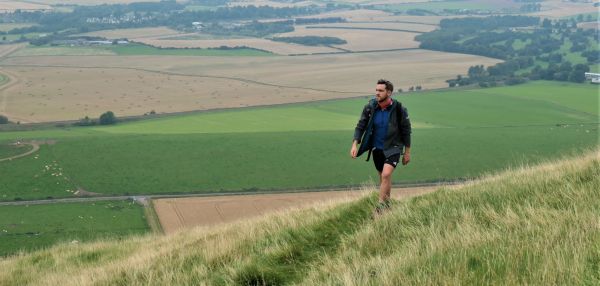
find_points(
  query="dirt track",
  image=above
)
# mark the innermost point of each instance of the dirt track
(178, 213)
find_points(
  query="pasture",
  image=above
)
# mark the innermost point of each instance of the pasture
(134, 85)
(457, 134)
(30, 227)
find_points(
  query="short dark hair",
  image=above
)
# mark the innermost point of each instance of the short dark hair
(388, 85)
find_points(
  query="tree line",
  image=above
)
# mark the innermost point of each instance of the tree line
(530, 48)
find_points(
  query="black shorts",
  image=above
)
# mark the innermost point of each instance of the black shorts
(379, 159)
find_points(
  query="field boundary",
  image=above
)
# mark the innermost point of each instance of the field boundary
(142, 198)
(364, 28)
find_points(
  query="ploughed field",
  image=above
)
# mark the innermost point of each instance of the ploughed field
(176, 214)
(457, 134)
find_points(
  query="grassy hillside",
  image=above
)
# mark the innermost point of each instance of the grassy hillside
(456, 134)
(535, 225)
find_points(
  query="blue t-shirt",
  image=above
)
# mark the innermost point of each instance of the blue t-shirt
(380, 126)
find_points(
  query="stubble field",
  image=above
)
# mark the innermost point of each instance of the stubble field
(71, 87)
(360, 40)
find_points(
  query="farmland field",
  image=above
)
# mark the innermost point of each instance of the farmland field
(256, 43)
(360, 40)
(10, 6)
(441, 5)
(382, 25)
(134, 33)
(131, 49)
(22, 229)
(179, 83)
(306, 145)
(5, 27)
(560, 9)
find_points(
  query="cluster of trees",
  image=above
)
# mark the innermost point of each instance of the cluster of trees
(533, 7)
(311, 40)
(3, 119)
(106, 118)
(497, 37)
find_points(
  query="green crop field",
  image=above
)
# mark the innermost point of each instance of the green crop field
(37, 226)
(457, 134)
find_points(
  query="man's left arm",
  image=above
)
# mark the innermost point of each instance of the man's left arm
(405, 131)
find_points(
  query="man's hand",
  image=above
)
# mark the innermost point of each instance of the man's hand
(353, 150)
(405, 158)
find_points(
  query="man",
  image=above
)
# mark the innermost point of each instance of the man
(383, 130)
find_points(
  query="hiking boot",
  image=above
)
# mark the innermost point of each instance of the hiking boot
(381, 209)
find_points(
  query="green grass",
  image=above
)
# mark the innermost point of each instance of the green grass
(132, 50)
(14, 37)
(533, 225)
(62, 51)
(5, 27)
(9, 150)
(33, 227)
(456, 134)
(196, 8)
(450, 5)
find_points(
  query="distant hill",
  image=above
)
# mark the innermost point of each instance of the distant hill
(533, 225)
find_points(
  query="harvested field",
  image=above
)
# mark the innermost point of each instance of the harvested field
(182, 213)
(136, 33)
(257, 43)
(259, 3)
(360, 15)
(361, 40)
(92, 2)
(9, 49)
(560, 9)
(43, 94)
(423, 28)
(10, 6)
(370, 16)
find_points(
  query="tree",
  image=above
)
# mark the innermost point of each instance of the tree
(3, 119)
(108, 118)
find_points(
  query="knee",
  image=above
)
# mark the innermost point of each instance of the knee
(386, 176)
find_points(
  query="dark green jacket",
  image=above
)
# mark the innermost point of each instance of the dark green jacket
(398, 132)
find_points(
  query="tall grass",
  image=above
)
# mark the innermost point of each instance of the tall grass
(531, 225)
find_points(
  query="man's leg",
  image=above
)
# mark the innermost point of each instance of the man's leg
(385, 188)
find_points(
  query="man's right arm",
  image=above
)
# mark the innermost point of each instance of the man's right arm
(359, 130)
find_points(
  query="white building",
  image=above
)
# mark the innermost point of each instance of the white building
(594, 77)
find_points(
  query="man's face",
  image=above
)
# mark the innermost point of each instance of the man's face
(382, 94)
